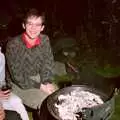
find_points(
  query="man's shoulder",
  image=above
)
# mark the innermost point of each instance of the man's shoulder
(17, 37)
(13, 40)
(44, 36)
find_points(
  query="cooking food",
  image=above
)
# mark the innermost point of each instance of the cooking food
(70, 104)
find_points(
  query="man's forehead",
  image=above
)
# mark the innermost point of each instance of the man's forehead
(34, 19)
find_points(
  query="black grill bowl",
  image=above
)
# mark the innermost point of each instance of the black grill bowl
(100, 112)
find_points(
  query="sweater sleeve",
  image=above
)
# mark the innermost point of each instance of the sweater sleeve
(48, 63)
(11, 54)
(16, 73)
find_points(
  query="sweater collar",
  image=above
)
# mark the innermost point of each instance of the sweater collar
(28, 45)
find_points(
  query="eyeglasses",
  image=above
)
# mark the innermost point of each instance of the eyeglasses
(35, 25)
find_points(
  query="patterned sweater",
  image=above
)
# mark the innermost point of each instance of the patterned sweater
(29, 67)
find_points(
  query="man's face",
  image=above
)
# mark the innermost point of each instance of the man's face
(33, 26)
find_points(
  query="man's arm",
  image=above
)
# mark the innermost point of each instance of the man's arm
(47, 69)
(11, 54)
(13, 63)
(48, 62)
(2, 68)
(2, 113)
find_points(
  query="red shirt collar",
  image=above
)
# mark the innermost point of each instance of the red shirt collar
(28, 45)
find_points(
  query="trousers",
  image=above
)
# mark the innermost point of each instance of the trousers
(32, 98)
(14, 103)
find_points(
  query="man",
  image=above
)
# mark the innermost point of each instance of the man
(8, 100)
(30, 61)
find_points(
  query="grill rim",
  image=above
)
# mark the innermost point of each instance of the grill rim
(50, 100)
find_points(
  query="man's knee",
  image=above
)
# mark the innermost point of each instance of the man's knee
(14, 98)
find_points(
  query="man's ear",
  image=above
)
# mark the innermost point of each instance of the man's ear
(42, 28)
(23, 25)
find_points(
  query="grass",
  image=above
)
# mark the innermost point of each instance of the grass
(116, 115)
(112, 72)
(108, 71)
(30, 115)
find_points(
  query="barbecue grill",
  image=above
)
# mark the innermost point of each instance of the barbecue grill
(99, 112)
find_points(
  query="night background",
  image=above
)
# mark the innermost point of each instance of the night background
(97, 19)
(92, 26)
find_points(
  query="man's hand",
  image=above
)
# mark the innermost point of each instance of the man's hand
(2, 114)
(4, 94)
(48, 88)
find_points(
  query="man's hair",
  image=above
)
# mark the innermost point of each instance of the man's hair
(34, 13)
